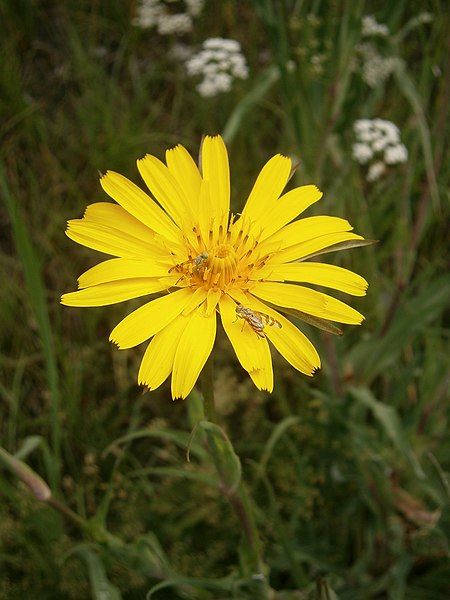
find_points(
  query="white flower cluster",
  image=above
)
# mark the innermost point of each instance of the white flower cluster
(158, 13)
(375, 67)
(370, 27)
(377, 143)
(220, 61)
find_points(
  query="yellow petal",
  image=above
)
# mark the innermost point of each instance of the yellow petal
(165, 189)
(113, 292)
(111, 215)
(186, 173)
(197, 297)
(147, 320)
(111, 240)
(290, 342)
(303, 230)
(212, 299)
(215, 169)
(206, 213)
(288, 207)
(244, 340)
(304, 249)
(139, 204)
(268, 187)
(263, 377)
(330, 276)
(309, 301)
(157, 362)
(121, 268)
(193, 349)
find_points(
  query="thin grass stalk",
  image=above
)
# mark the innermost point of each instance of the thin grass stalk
(38, 302)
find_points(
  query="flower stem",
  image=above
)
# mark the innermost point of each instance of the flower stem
(207, 382)
(236, 496)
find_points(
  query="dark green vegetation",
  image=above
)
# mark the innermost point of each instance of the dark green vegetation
(347, 472)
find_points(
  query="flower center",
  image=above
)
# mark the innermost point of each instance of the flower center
(223, 259)
(222, 267)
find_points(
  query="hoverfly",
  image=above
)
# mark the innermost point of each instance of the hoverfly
(199, 262)
(256, 319)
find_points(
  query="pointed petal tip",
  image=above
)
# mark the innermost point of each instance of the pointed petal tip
(113, 341)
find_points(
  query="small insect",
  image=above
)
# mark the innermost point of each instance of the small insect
(193, 266)
(256, 319)
(199, 262)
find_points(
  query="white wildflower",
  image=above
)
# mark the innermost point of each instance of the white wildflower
(387, 130)
(148, 13)
(425, 17)
(371, 27)
(160, 14)
(219, 62)
(362, 153)
(375, 171)
(377, 145)
(375, 68)
(396, 154)
(179, 24)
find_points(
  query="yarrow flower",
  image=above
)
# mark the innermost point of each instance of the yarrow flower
(376, 68)
(206, 262)
(377, 143)
(220, 62)
(371, 27)
(159, 14)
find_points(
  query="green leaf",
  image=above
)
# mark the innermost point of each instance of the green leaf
(174, 472)
(389, 420)
(275, 436)
(324, 590)
(340, 246)
(34, 284)
(226, 460)
(261, 88)
(374, 356)
(180, 438)
(102, 588)
(227, 584)
(406, 85)
(322, 324)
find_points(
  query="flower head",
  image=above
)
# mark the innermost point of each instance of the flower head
(205, 262)
(160, 13)
(378, 143)
(220, 62)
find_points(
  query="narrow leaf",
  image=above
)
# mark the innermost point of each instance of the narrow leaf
(322, 324)
(390, 421)
(32, 480)
(275, 436)
(340, 246)
(227, 461)
(102, 588)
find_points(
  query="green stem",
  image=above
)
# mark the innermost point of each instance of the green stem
(67, 512)
(207, 381)
(237, 497)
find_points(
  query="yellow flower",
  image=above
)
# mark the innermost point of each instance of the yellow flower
(206, 261)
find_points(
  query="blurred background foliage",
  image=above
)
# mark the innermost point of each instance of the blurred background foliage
(348, 472)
